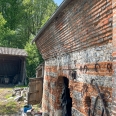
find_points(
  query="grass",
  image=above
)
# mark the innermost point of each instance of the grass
(21, 86)
(10, 107)
(8, 95)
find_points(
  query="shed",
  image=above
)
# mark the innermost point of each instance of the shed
(36, 86)
(40, 71)
(12, 65)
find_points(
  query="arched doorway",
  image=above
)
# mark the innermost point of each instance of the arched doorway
(64, 101)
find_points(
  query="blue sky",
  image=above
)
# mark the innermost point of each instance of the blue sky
(58, 2)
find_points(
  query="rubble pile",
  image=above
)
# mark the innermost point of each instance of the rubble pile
(20, 94)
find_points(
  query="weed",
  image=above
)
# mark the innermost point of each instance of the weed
(9, 107)
(8, 95)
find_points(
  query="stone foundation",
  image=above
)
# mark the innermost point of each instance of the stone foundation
(61, 66)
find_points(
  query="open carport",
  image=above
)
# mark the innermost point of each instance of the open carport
(12, 65)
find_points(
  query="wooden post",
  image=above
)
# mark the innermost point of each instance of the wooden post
(24, 72)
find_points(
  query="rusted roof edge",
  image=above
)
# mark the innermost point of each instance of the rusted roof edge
(59, 9)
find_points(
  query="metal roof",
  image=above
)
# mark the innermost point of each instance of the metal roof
(60, 8)
(12, 51)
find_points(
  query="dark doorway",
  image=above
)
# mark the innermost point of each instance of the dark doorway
(11, 69)
(66, 100)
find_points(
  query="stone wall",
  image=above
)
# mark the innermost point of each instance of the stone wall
(78, 45)
(114, 59)
(61, 65)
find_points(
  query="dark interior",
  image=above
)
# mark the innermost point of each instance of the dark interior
(10, 69)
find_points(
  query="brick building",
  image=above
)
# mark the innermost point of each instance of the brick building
(79, 43)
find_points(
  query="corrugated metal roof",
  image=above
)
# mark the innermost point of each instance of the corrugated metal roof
(12, 51)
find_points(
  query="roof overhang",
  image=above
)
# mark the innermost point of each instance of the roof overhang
(12, 52)
(60, 8)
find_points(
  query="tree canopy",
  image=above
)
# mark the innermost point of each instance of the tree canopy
(20, 20)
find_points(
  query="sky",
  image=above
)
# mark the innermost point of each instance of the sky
(58, 2)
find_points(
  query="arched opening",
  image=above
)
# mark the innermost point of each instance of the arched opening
(64, 101)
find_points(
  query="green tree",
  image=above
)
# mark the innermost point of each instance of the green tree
(5, 32)
(37, 12)
(34, 58)
(20, 20)
(12, 11)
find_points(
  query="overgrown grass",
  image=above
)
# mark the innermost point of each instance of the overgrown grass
(10, 107)
(8, 95)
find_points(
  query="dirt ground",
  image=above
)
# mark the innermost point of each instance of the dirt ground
(4, 93)
(10, 106)
(7, 102)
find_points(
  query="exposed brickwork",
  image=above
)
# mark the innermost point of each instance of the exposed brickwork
(81, 36)
(57, 67)
(80, 25)
(114, 59)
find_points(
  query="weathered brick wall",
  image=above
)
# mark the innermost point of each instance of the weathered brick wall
(114, 59)
(80, 36)
(81, 24)
(58, 66)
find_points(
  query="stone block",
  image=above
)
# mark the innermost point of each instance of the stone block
(58, 113)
